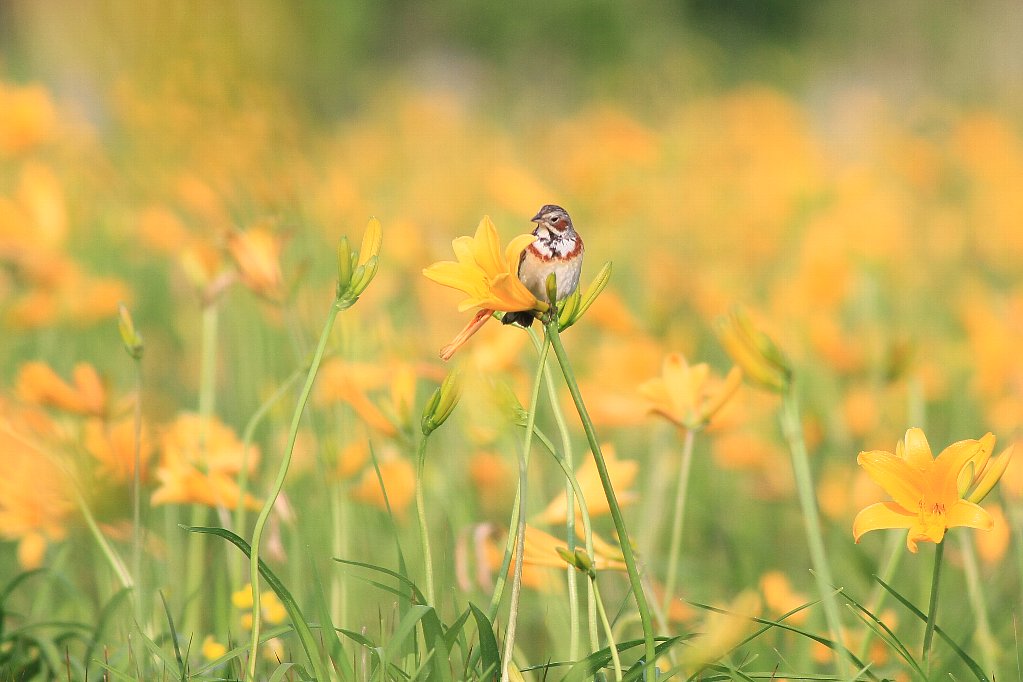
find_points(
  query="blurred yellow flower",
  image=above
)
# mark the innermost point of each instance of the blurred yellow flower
(257, 254)
(721, 632)
(925, 490)
(780, 598)
(212, 649)
(36, 495)
(622, 473)
(113, 446)
(684, 394)
(199, 463)
(992, 546)
(38, 384)
(399, 480)
(27, 117)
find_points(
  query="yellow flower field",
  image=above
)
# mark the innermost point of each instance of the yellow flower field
(257, 421)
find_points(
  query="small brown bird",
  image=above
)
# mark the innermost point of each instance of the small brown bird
(558, 248)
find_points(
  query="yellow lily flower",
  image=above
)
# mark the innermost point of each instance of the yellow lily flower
(488, 277)
(685, 395)
(924, 489)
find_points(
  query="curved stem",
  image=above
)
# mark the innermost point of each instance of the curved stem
(520, 529)
(678, 519)
(282, 472)
(424, 534)
(248, 435)
(612, 501)
(111, 556)
(571, 486)
(932, 607)
(793, 428)
(584, 513)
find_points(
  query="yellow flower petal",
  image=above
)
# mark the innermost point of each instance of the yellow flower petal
(900, 480)
(967, 514)
(917, 451)
(880, 516)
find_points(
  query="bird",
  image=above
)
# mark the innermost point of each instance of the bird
(558, 248)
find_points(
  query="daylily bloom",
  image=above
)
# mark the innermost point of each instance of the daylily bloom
(925, 489)
(199, 464)
(257, 254)
(40, 385)
(684, 394)
(399, 479)
(487, 276)
(622, 472)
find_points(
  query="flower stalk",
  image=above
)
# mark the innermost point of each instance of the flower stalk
(355, 272)
(932, 606)
(605, 480)
(520, 521)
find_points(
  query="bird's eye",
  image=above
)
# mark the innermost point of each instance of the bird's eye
(555, 219)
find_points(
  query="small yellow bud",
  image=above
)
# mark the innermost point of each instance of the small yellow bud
(754, 351)
(129, 335)
(344, 266)
(356, 271)
(371, 241)
(442, 403)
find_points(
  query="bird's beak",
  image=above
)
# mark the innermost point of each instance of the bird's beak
(538, 218)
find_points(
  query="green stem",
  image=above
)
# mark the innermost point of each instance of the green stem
(241, 512)
(932, 606)
(136, 502)
(584, 513)
(678, 519)
(520, 528)
(111, 556)
(793, 429)
(570, 501)
(278, 485)
(424, 534)
(608, 632)
(612, 501)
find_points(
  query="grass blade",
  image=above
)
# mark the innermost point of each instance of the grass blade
(305, 635)
(970, 663)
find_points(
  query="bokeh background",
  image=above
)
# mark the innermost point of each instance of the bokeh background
(852, 172)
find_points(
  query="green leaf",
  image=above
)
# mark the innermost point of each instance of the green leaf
(305, 635)
(970, 663)
(101, 622)
(182, 671)
(490, 652)
(327, 630)
(417, 595)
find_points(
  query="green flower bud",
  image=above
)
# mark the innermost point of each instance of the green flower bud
(129, 335)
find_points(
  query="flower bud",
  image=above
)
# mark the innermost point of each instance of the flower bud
(754, 351)
(129, 335)
(576, 305)
(442, 403)
(355, 271)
